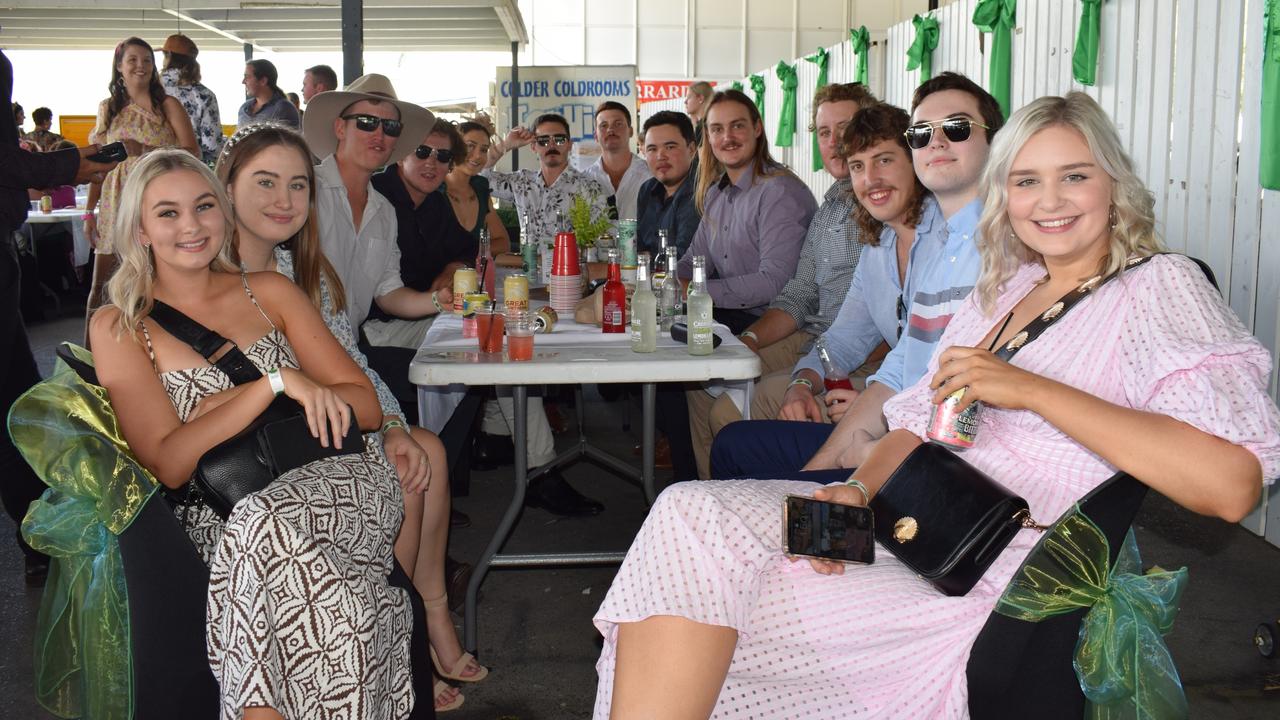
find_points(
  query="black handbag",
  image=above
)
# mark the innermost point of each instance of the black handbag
(945, 519)
(276, 442)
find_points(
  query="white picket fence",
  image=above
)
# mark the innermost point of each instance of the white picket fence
(1182, 81)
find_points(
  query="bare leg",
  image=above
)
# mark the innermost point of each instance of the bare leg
(261, 713)
(409, 539)
(670, 667)
(428, 575)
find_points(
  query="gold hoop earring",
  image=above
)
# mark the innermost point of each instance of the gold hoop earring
(1111, 217)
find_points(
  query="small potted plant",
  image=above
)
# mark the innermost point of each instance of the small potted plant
(587, 228)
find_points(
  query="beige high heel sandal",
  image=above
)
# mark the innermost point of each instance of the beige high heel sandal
(454, 673)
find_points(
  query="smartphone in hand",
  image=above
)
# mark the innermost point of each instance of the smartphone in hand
(114, 152)
(828, 531)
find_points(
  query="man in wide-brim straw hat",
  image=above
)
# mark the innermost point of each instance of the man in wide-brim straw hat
(355, 132)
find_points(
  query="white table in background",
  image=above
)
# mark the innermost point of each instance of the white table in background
(571, 355)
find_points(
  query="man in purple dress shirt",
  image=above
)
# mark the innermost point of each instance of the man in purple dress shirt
(755, 213)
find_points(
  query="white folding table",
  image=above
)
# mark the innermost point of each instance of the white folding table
(573, 354)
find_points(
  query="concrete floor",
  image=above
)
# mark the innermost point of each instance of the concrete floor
(535, 627)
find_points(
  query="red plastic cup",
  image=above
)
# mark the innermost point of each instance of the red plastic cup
(489, 330)
(564, 259)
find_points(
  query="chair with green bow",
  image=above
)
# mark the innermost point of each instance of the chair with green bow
(121, 630)
(1079, 631)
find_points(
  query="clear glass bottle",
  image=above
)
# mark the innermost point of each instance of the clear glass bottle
(833, 376)
(644, 310)
(485, 267)
(660, 260)
(700, 310)
(669, 301)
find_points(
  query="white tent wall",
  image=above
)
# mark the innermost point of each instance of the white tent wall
(1181, 80)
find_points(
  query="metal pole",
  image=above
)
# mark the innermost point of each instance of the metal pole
(248, 52)
(515, 98)
(352, 40)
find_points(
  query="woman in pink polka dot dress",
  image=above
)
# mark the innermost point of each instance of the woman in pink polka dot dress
(1153, 374)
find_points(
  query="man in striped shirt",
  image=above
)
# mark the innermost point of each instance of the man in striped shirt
(953, 120)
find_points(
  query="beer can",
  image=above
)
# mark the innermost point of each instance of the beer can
(627, 243)
(545, 319)
(465, 281)
(46, 204)
(955, 429)
(471, 302)
(515, 292)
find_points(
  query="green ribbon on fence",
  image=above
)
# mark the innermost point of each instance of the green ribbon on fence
(1121, 661)
(787, 115)
(757, 88)
(820, 59)
(998, 18)
(861, 41)
(1269, 164)
(736, 85)
(920, 54)
(1084, 61)
(68, 434)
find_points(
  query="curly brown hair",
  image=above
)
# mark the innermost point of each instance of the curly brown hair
(869, 127)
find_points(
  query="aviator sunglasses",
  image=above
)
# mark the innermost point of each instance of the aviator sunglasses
(956, 129)
(370, 123)
(444, 155)
(545, 140)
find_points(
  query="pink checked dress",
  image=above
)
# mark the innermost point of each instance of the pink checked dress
(878, 642)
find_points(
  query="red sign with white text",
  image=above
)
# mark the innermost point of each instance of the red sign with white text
(653, 90)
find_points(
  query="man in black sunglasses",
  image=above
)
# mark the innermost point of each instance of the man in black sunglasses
(540, 193)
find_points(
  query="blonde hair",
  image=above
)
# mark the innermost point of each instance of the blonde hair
(1132, 205)
(132, 286)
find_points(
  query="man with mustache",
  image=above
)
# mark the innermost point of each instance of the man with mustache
(953, 120)
(810, 299)
(539, 194)
(666, 200)
(618, 167)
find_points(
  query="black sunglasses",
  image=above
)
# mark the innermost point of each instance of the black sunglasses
(545, 140)
(443, 155)
(956, 129)
(370, 123)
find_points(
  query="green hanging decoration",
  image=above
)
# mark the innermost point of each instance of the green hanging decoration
(998, 17)
(787, 115)
(1084, 61)
(920, 54)
(1269, 165)
(757, 88)
(861, 41)
(820, 59)
(736, 85)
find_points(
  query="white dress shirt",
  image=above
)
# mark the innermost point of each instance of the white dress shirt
(627, 194)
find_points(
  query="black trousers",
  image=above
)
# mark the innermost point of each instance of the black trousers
(673, 409)
(19, 485)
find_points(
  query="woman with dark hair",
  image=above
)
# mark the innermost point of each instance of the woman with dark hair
(468, 190)
(141, 115)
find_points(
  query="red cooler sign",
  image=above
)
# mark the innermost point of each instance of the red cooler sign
(653, 90)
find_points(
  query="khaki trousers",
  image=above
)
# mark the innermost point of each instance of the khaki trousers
(779, 357)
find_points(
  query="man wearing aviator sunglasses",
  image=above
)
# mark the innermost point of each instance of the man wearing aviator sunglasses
(941, 266)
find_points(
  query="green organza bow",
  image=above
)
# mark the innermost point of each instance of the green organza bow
(1269, 165)
(1121, 660)
(66, 430)
(757, 88)
(998, 17)
(861, 41)
(1084, 61)
(920, 54)
(787, 115)
(819, 58)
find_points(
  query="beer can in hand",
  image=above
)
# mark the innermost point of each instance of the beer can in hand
(465, 281)
(955, 429)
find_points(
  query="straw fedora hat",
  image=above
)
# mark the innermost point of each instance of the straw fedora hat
(317, 122)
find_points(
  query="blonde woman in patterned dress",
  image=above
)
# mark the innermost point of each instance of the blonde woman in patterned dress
(301, 620)
(1152, 374)
(141, 115)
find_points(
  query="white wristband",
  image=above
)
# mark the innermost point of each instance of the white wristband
(276, 379)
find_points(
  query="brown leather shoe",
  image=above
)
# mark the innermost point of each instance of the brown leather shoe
(661, 452)
(555, 418)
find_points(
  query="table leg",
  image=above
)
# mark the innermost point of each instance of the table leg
(520, 396)
(746, 405)
(649, 394)
(422, 405)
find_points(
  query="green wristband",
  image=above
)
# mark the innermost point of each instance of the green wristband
(857, 485)
(393, 423)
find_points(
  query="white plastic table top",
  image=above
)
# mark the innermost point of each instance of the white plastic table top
(574, 353)
(56, 216)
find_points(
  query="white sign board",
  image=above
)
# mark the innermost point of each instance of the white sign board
(573, 91)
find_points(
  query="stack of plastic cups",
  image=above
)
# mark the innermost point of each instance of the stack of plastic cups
(566, 277)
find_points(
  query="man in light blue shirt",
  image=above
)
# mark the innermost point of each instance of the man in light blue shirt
(953, 121)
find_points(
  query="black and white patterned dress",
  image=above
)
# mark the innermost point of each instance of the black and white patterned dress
(300, 615)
